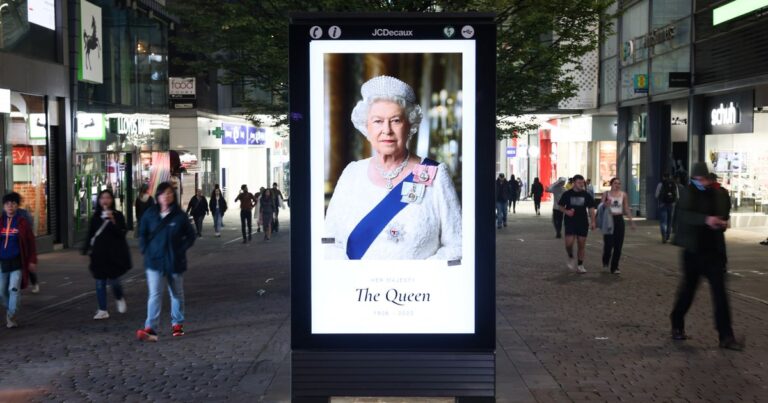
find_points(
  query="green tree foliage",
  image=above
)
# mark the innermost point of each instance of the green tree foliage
(538, 41)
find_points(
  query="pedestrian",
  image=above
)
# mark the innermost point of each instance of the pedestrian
(557, 189)
(616, 206)
(514, 193)
(521, 189)
(701, 233)
(109, 252)
(143, 202)
(578, 207)
(267, 211)
(590, 188)
(502, 197)
(165, 234)
(247, 201)
(34, 282)
(278, 195)
(537, 190)
(198, 207)
(667, 195)
(18, 257)
(217, 187)
(217, 207)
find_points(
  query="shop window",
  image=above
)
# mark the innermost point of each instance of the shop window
(28, 174)
(606, 161)
(25, 34)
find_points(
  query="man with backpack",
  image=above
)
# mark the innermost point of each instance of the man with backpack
(667, 195)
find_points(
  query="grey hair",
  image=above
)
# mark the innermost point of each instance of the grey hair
(360, 112)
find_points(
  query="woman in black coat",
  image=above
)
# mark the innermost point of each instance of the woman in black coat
(537, 190)
(110, 255)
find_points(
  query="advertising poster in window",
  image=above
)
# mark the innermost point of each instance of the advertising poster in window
(392, 154)
(90, 36)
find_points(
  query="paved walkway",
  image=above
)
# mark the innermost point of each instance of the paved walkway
(561, 336)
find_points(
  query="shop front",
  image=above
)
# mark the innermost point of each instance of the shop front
(736, 149)
(118, 152)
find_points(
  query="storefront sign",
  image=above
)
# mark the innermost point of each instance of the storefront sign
(37, 126)
(511, 152)
(647, 41)
(42, 13)
(731, 113)
(243, 135)
(90, 126)
(679, 80)
(181, 87)
(90, 36)
(736, 9)
(5, 100)
(130, 125)
(22, 155)
(640, 83)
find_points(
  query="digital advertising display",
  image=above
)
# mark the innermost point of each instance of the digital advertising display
(395, 228)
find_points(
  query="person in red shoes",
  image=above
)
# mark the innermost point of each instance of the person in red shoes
(165, 234)
(18, 256)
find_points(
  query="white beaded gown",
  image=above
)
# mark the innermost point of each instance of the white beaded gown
(427, 230)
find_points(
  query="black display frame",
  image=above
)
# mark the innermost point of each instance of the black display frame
(424, 26)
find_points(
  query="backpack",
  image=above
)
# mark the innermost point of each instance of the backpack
(668, 192)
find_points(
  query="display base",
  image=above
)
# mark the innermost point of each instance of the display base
(466, 376)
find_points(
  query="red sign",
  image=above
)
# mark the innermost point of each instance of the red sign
(22, 155)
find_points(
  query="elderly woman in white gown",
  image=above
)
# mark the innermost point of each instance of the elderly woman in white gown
(394, 205)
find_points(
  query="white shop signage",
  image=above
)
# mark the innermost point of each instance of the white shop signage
(181, 87)
(723, 115)
(649, 40)
(729, 113)
(132, 125)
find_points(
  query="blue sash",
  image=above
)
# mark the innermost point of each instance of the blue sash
(366, 231)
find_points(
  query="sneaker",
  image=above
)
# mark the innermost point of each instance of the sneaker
(617, 272)
(732, 344)
(558, 236)
(101, 315)
(581, 269)
(571, 265)
(122, 307)
(679, 334)
(146, 334)
(218, 235)
(178, 330)
(606, 268)
(35, 288)
(10, 322)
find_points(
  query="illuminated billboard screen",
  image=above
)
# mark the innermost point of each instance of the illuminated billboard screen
(388, 116)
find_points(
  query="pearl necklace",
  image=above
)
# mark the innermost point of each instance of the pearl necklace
(389, 175)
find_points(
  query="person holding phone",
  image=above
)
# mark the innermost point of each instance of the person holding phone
(109, 252)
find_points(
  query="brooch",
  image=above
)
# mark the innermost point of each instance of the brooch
(424, 174)
(395, 233)
(412, 192)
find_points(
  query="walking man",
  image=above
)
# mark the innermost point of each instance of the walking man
(278, 196)
(165, 234)
(198, 207)
(578, 207)
(537, 190)
(247, 201)
(514, 193)
(667, 195)
(502, 196)
(18, 256)
(703, 219)
(557, 189)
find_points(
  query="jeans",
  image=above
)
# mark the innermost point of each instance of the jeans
(155, 282)
(694, 267)
(199, 224)
(101, 291)
(10, 291)
(246, 219)
(557, 220)
(613, 243)
(665, 219)
(217, 222)
(501, 213)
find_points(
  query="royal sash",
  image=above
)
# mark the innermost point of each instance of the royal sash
(366, 231)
